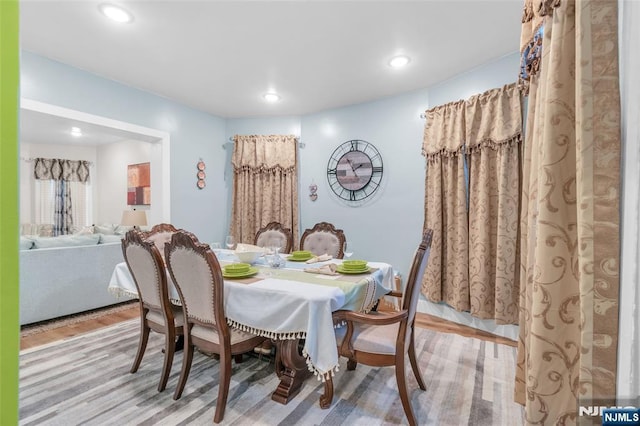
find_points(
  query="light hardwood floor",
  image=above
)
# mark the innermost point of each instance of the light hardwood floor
(53, 332)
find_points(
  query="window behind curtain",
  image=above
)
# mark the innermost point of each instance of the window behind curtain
(44, 203)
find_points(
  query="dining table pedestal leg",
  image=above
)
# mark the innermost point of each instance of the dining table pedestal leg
(292, 370)
(327, 398)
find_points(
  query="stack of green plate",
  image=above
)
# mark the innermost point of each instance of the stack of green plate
(300, 256)
(353, 267)
(238, 270)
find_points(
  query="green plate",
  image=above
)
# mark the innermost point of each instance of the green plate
(250, 272)
(340, 269)
(298, 259)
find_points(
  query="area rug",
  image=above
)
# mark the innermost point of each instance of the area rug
(40, 327)
(86, 380)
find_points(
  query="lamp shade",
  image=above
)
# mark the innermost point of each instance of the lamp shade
(134, 218)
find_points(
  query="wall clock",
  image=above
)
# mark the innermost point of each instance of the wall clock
(354, 170)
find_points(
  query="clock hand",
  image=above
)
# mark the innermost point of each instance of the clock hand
(352, 169)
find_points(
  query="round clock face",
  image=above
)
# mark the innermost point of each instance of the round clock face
(354, 170)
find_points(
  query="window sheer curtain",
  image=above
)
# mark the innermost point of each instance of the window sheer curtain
(265, 186)
(567, 347)
(474, 265)
(61, 186)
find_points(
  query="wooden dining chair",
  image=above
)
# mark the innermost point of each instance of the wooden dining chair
(382, 339)
(156, 311)
(196, 273)
(323, 238)
(274, 234)
(161, 234)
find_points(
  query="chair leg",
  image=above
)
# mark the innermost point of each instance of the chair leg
(351, 364)
(223, 386)
(169, 350)
(402, 389)
(414, 364)
(142, 346)
(187, 358)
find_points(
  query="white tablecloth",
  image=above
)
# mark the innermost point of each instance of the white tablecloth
(284, 306)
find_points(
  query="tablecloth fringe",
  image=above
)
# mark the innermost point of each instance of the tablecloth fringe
(265, 333)
(321, 376)
(121, 292)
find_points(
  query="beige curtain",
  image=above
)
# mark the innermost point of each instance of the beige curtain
(265, 186)
(493, 135)
(474, 253)
(570, 215)
(446, 277)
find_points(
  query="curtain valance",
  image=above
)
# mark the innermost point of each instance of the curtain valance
(493, 118)
(60, 169)
(444, 130)
(258, 153)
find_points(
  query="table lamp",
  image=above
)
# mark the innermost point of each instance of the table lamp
(135, 218)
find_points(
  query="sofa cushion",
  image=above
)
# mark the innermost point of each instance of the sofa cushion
(123, 229)
(104, 239)
(82, 230)
(105, 229)
(26, 243)
(66, 241)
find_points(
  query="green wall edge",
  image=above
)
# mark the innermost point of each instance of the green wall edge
(9, 266)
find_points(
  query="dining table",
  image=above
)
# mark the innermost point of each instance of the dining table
(292, 304)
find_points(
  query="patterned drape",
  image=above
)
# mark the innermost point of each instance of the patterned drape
(567, 346)
(62, 172)
(445, 205)
(493, 135)
(473, 265)
(265, 186)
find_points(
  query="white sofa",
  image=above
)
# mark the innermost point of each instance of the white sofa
(60, 281)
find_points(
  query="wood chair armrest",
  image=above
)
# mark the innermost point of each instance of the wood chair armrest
(377, 319)
(395, 293)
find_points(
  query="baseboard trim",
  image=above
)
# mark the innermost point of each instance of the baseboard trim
(446, 312)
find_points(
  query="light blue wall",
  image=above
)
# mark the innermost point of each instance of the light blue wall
(488, 76)
(388, 226)
(194, 134)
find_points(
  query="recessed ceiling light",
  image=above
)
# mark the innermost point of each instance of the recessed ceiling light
(399, 61)
(76, 131)
(115, 13)
(271, 97)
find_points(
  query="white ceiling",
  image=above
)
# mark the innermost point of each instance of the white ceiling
(222, 56)
(42, 128)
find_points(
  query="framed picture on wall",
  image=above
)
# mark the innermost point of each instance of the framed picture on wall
(139, 184)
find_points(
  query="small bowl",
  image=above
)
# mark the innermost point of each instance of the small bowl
(354, 264)
(301, 254)
(237, 268)
(248, 256)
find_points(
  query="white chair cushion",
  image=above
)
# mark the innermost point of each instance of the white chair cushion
(272, 238)
(320, 243)
(210, 335)
(160, 239)
(378, 339)
(178, 317)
